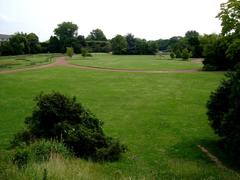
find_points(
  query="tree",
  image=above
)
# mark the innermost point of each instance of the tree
(163, 44)
(66, 32)
(233, 53)
(19, 44)
(224, 112)
(96, 35)
(119, 45)
(193, 43)
(141, 46)
(44, 47)
(230, 17)
(34, 45)
(54, 45)
(214, 48)
(131, 41)
(152, 48)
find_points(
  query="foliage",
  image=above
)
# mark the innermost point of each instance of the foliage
(222, 52)
(96, 35)
(230, 17)
(99, 46)
(224, 112)
(119, 45)
(172, 55)
(21, 157)
(39, 151)
(33, 42)
(69, 52)
(66, 33)
(85, 52)
(233, 53)
(186, 54)
(54, 45)
(21, 43)
(193, 43)
(58, 116)
(131, 41)
(214, 53)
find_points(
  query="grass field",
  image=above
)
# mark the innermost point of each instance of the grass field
(160, 117)
(15, 62)
(136, 62)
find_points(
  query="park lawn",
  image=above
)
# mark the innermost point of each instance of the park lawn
(138, 62)
(160, 117)
(24, 61)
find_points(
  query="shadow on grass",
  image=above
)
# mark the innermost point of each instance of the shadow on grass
(189, 150)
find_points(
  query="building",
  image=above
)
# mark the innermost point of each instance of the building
(4, 37)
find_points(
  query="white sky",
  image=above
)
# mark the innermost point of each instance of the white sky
(149, 19)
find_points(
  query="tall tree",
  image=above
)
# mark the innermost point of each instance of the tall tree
(19, 44)
(230, 17)
(131, 41)
(194, 43)
(96, 35)
(34, 45)
(66, 32)
(119, 45)
(54, 45)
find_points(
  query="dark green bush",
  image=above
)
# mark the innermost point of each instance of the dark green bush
(21, 157)
(172, 55)
(224, 112)
(186, 54)
(57, 116)
(22, 138)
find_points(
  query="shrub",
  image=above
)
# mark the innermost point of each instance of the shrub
(224, 112)
(57, 116)
(85, 53)
(172, 55)
(22, 138)
(43, 149)
(21, 157)
(186, 54)
(69, 52)
(39, 151)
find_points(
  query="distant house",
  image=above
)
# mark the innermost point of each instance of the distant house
(4, 37)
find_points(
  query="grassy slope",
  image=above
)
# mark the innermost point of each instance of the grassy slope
(161, 117)
(135, 62)
(23, 61)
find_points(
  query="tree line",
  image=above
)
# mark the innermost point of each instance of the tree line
(220, 51)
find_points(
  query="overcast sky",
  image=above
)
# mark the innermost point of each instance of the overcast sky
(149, 19)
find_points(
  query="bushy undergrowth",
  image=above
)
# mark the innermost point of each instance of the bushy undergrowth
(59, 117)
(39, 151)
(224, 113)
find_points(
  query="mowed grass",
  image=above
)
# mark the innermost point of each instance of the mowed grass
(23, 61)
(144, 62)
(160, 117)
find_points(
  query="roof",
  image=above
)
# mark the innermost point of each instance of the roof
(4, 36)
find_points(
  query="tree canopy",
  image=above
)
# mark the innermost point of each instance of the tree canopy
(96, 35)
(230, 17)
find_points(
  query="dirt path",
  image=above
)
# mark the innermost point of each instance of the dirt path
(62, 62)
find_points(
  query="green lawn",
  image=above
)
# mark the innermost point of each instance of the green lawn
(15, 62)
(136, 62)
(160, 117)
